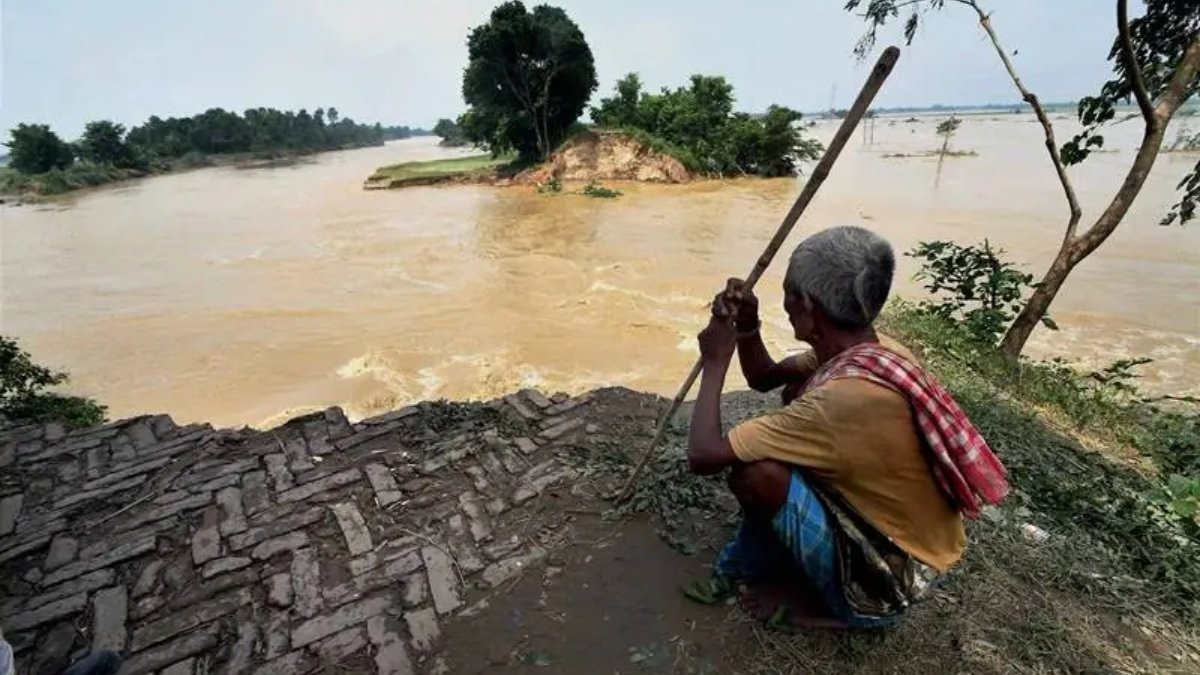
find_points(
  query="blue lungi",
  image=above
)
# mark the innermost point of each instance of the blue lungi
(801, 545)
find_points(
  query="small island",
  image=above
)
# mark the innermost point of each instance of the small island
(524, 112)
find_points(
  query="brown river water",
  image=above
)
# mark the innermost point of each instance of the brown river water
(243, 296)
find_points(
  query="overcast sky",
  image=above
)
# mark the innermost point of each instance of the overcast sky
(66, 62)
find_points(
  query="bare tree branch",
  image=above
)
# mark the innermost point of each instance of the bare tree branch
(1032, 100)
(1132, 70)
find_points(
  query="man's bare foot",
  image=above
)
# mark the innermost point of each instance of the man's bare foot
(787, 607)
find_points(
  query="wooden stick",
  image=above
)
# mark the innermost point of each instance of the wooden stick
(883, 68)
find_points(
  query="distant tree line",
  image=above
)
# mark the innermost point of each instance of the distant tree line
(36, 149)
(697, 124)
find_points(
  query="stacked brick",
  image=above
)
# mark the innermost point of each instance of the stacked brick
(319, 544)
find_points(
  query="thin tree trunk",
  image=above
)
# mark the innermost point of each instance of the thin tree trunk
(1076, 249)
(941, 158)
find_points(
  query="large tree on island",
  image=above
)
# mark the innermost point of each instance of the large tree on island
(1156, 63)
(528, 78)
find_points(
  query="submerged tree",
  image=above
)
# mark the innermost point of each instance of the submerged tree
(946, 130)
(528, 78)
(1156, 59)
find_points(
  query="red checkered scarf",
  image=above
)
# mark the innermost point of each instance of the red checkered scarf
(965, 467)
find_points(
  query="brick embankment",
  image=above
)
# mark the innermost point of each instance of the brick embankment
(319, 544)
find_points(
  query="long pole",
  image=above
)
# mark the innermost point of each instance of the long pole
(883, 68)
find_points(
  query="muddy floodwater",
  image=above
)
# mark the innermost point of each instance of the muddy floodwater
(241, 296)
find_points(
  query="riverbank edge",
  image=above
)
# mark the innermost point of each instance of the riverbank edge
(21, 188)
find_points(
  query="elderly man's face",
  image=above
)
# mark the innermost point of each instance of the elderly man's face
(799, 312)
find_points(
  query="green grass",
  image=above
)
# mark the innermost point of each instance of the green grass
(432, 171)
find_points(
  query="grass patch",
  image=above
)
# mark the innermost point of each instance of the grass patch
(437, 170)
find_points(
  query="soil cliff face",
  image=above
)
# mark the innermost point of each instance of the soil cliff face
(607, 155)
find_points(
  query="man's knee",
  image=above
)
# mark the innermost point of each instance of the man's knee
(761, 487)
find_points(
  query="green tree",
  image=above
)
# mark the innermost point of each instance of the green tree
(621, 110)
(23, 394)
(451, 134)
(528, 77)
(103, 142)
(34, 148)
(698, 125)
(1156, 62)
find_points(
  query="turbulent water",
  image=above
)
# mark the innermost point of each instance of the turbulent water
(240, 296)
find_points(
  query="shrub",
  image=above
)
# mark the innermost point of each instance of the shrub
(973, 286)
(23, 394)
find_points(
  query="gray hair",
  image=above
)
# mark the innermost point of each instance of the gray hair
(847, 270)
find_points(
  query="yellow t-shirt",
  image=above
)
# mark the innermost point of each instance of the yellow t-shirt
(862, 440)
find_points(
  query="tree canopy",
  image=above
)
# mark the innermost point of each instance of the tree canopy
(697, 124)
(217, 131)
(528, 78)
(103, 142)
(450, 133)
(34, 148)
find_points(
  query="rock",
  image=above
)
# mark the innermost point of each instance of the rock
(223, 565)
(46, 613)
(508, 568)
(443, 582)
(422, 628)
(147, 579)
(185, 667)
(242, 654)
(384, 485)
(354, 527)
(206, 544)
(10, 510)
(187, 619)
(288, 542)
(62, 551)
(233, 519)
(391, 658)
(279, 589)
(306, 582)
(195, 642)
(110, 609)
(330, 482)
(340, 619)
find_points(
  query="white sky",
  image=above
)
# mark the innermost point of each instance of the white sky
(65, 62)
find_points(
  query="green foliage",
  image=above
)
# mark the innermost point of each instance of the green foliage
(594, 189)
(697, 125)
(948, 126)
(552, 186)
(1130, 514)
(103, 142)
(23, 394)
(258, 130)
(451, 134)
(974, 286)
(34, 148)
(529, 75)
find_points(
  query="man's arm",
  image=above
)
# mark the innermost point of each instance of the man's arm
(762, 372)
(709, 451)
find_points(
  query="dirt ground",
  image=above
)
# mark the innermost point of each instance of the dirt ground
(610, 605)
